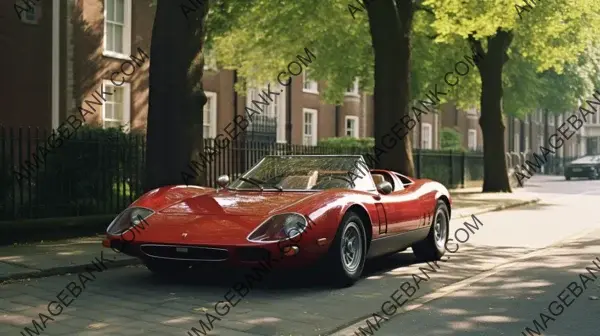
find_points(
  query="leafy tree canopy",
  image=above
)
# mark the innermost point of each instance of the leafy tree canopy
(552, 62)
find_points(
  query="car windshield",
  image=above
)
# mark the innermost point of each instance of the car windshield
(306, 172)
(587, 160)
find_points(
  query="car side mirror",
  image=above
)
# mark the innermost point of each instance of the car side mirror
(385, 187)
(223, 181)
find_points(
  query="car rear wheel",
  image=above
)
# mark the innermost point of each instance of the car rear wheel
(346, 256)
(568, 178)
(433, 247)
(167, 267)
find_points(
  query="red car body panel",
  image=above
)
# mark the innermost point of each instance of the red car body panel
(197, 216)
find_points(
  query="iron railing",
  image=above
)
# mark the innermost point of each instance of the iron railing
(94, 173)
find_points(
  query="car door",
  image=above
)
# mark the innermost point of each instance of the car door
(401, 208)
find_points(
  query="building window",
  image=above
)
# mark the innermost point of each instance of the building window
(310, 86)
(209, 120)
(352, 126)
(426, 135)
(117, 108)
(472, 140)
(526, 143)
(551, 119)
(309, 129)
(517, 142)
(117, 28)
(275, 108)
(352, 89)
(541, 140)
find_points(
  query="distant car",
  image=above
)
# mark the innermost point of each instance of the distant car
(587, 166)
(291, 210)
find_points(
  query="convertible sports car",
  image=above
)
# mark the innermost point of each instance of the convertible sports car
(288, 211)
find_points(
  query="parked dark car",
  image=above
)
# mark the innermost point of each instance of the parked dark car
(587, 166)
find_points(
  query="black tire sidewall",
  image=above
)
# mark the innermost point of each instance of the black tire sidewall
(335, 256)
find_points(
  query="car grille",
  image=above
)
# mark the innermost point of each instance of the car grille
(185, 252)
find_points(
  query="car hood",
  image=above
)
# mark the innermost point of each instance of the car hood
(239, 203)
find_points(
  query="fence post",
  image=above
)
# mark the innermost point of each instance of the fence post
(418, 163)
(463, 168)
(451, 169)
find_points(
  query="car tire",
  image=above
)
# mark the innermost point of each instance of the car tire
(164, 268)
(568, 178)
(433, 246)
(350, 243)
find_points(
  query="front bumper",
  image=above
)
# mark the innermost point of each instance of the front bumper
(581, 172)
(221, 256)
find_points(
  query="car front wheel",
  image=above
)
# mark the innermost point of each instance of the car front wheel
(433, 246)
(346, 256)
(568, 178)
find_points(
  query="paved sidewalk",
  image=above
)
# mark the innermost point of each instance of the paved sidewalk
(73, 255)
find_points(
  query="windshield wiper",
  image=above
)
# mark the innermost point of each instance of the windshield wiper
(253, 182)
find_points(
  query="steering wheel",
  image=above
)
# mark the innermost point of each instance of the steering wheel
(338, 177)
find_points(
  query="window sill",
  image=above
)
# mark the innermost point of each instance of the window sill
(310, 91)
(116, 55)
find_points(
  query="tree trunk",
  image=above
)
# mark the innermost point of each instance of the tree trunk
(495, 174)
(390, 24)
(176, 95)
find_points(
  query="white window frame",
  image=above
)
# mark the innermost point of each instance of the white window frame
(355, 133)
(212, 127)
(429, 138)
(314, 126)
(472, 135)
(126, 102)
(517, 142)
(126, 32)
(526, 143)
(313, 86)
(271, 110)
(355, 89)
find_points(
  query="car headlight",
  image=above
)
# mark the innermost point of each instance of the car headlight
(279, 227)
(128, 219)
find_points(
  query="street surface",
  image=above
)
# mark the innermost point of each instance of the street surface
(502, 278)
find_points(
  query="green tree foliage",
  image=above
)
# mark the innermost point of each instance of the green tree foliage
(546, 38)
(450, 139)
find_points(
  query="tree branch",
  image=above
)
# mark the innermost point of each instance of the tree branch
(476, 45)
(423, 8)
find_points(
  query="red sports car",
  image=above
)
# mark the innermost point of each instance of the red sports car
(287, 211)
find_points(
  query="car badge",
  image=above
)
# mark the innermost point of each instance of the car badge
(183, 235)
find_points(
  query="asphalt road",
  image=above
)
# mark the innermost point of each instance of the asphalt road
(488, 286)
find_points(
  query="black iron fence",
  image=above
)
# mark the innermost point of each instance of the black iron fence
(99, 171)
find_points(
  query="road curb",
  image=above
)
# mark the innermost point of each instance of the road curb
(67, 269)
(134, 261)
(502, 207)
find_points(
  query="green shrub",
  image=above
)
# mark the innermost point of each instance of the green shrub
(90, 173)
(450, 139)
(347, 142)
